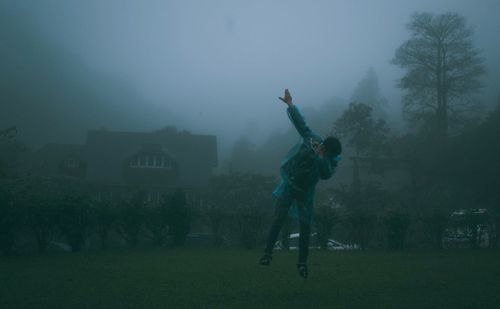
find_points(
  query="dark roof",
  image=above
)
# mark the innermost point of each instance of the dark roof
(106, 152)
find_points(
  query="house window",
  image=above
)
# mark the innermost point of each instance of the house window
(151, 161)
(134, 162)
(72, 163)
(166, 163)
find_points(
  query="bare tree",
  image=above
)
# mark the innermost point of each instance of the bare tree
(443, 69)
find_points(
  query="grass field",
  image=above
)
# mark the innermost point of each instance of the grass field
(208, 278)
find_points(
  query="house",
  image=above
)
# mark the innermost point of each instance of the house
(59, 160)
(114, 163)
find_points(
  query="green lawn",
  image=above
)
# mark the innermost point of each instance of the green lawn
(208, 278)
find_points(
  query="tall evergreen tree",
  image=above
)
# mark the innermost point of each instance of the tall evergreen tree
(368, 92)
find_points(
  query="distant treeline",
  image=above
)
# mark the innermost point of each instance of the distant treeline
(40, 214)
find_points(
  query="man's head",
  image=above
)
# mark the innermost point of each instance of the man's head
(332, 146)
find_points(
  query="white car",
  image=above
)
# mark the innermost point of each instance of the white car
(331, 245)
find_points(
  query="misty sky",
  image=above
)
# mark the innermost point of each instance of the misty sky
(210, 67)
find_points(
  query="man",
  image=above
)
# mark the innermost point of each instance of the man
(310, 160)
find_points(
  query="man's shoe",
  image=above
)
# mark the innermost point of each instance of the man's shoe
(302, 268)
(265, 260)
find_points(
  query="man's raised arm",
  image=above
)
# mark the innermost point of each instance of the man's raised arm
(295, 116)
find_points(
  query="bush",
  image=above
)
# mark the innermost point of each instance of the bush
(74, 220)
(130, 218)
(156, 222)
(105, 217)
(434, 225)
(219, 221)
(10, 221)
(252, 227)
(361, 224)
(325, 220)
(396, 222)
(179, 217)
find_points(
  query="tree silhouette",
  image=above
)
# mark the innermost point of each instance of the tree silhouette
(368, 92)
(442, 70)
(364, 134)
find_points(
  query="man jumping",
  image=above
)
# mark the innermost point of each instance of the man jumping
(310, 160)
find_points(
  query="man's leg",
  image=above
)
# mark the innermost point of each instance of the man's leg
(280, 213)
(305, 232)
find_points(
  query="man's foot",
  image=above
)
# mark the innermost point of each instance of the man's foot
(302, 268)
(265, 260)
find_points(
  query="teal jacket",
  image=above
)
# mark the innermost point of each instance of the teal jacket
(302, 168)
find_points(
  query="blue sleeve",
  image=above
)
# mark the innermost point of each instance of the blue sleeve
(298, 121)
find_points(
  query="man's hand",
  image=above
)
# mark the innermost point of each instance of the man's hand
(287, 98)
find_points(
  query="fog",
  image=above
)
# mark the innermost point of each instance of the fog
(209, 67)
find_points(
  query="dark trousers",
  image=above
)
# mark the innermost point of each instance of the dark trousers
(281, 212)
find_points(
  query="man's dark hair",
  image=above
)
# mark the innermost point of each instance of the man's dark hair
(333, 147)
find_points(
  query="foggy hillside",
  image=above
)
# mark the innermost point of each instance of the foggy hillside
(52, 96)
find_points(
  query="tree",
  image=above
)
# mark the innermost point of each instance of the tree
(221, 205)
(476, 152)
(368, 92)
(243, 155)
(367, 136)
(364, 134)
(442, 69)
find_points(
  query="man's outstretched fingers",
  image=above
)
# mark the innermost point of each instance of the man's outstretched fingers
(287, 98)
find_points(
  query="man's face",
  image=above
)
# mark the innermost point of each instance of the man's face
(317, 147)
